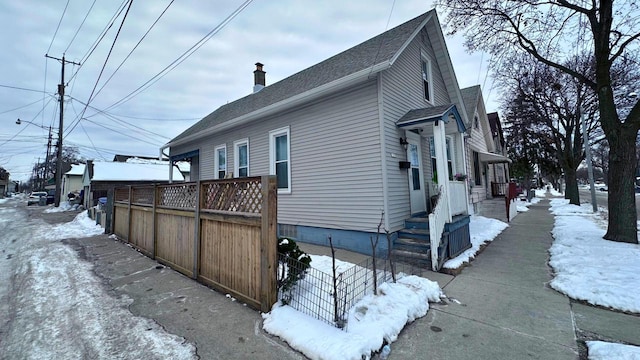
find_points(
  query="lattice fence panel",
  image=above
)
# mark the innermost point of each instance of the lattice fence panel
(236, 195)
(181, 196)
(122, 194)
(142, 195)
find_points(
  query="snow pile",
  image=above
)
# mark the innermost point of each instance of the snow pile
(482, 230)
(2, 201)
(64, 206)
(555, 192)
(600, 350)
(588, 267)
(81, 226)
(372, 320)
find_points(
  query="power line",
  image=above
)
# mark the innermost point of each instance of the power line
(80, 27)
(102, 70)
(182, 57)
(134, 48)
(103, 33)
(114, 118)
(58, 27)
(24, 128)
(20, 107)
(21, 88)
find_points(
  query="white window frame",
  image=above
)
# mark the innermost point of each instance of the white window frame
(449, 146)
(236, 157)
(216, 162)
(272, 155)
(429, 78)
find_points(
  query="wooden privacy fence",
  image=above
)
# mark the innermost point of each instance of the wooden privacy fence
(220, 232)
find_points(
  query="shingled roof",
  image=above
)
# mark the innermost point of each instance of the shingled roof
(470, 98)
(378, 50)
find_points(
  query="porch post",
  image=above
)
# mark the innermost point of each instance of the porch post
(463, 150)
(440, 144)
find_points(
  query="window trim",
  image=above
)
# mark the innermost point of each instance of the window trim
(216, 163)
(424, 58)
(236, 157)
(273, 134)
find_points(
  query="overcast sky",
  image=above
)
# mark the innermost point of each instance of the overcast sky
(286, 35)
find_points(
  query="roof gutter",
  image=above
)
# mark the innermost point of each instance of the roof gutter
(284, 104)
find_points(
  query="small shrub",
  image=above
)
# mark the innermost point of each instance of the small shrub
(293, 265)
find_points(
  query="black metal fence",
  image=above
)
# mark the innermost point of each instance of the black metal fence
(313, 293)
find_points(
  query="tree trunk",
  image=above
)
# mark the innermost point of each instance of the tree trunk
(622, 225)
(571, 186)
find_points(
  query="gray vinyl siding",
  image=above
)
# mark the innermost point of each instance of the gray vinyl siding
(336, 176)
(402, 91)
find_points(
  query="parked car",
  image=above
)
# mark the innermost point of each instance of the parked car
(34, 197)
(51, 197)
(601, 187)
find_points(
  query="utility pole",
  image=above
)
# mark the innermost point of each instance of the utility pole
(46, 161)
(59, 150)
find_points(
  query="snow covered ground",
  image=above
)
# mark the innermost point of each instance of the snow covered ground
(372, 321)
(481, 230)
(52, 306)
(595, 270)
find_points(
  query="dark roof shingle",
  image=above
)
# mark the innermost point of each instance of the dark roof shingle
(367, 54)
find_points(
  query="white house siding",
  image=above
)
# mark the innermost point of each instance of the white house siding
(402, 91)
(336, 177)
(477, 142)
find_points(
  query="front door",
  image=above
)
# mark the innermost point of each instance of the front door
(416, 182)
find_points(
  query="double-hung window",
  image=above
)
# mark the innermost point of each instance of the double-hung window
(280, 158)
(221, 162)
(241, 158)
(427, 84)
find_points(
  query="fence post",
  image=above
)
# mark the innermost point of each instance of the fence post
(129, 214)
(268, 243)
(196, 235)
(153, 222)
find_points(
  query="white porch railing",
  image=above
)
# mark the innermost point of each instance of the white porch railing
(437, 219)
(457, 190)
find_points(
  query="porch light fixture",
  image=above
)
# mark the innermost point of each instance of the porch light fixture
(404, 143)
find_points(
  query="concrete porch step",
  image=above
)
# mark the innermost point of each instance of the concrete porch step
(417, 222)
(417, 234)
(422, 260)
(412, 245)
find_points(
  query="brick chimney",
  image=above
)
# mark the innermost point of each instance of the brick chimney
(258, 76)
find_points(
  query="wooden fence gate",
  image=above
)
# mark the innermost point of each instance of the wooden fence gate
(220, 232)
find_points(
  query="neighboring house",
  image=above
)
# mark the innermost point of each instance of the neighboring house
(482, 155)
(72, 180)
(100, 177)
(4, 182)
(372, 133)
(499, 172)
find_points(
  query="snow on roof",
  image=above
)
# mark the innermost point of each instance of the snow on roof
(76, 169)
(119, 171)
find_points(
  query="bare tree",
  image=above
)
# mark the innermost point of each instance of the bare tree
(554, 100)
(554, 31)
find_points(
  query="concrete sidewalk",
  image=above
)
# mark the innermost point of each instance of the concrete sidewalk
(501, 307)
(219, 327)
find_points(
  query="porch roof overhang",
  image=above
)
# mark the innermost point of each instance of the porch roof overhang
(417, 118)
(184, 156)
(492, 158)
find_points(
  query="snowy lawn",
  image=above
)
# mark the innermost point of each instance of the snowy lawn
(589, 268)
(523, 206)
(600, 350)
(372, 321)
(482, 230)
